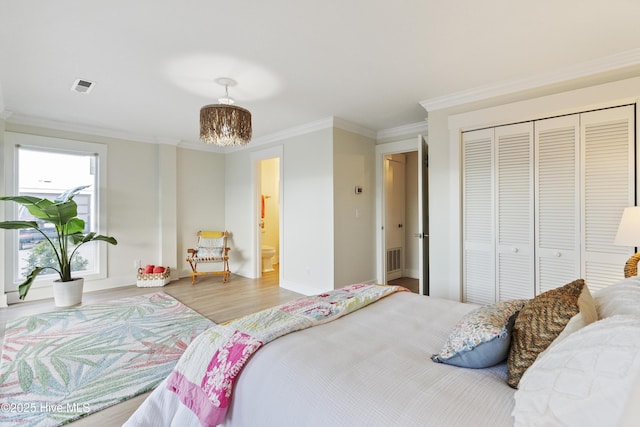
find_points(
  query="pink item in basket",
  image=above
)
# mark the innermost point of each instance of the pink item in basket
(158, 269)
(149, 269)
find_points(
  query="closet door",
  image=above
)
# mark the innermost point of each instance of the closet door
(557, 201)
(514, 211)
(608, 187)
(478, 217)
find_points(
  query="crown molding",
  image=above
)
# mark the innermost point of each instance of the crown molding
(326, 123)
(19, 119)
(420, 128)
(604, 64)
(353, 128)
(294, 131)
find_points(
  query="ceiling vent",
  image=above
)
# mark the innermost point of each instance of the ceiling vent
(82, 86)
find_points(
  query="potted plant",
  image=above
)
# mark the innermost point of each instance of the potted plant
(69, 235)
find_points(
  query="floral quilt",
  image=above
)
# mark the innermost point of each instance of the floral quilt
(204, 376)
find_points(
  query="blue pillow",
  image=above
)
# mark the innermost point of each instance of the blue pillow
(481, 338)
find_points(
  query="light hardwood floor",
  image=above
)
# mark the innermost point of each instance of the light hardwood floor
(210, 297)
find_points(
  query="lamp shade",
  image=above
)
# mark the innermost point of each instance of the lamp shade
(225, 125)
(629, 229)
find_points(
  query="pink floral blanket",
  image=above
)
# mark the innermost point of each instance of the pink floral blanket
(204, 376)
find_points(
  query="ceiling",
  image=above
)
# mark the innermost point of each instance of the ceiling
(367, 62)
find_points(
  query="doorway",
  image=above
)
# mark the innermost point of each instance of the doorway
(268, 199)
(403, 212)
(269, 221)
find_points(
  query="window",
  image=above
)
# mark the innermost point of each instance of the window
(46, 167)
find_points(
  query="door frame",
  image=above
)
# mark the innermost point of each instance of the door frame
(388, 159)
(256, 235)
(404, 146)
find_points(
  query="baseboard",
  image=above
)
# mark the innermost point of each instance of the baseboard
(303, 289)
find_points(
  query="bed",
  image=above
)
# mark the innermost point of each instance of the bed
(373, 367)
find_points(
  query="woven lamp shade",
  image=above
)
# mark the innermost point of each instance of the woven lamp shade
(225, 125)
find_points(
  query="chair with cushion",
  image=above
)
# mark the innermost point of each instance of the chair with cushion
(211, 248)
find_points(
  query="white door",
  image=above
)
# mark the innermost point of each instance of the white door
(423, 216)
(383, 151)
(557, 201)
(478, 274)
(514, 211)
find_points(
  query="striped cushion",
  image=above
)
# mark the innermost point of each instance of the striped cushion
(539, 322)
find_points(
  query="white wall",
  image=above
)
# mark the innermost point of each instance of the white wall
(354, 214)
(444, 165)
(307, 214)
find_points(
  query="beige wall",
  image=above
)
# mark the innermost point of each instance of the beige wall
(157, 197)
(354, 214)
(160, 195)
(200, 200)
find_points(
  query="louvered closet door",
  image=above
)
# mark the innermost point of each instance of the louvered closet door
(557, 202)
(608, 177)
(514, 211)
(478, 217)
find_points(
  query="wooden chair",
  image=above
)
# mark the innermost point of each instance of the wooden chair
(211, 248)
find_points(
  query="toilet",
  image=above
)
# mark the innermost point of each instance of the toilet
(268, 252)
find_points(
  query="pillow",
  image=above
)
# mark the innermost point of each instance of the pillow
(622, 297)
(585, 380)
(210, 252)
(481, 338)
(541, 321)
(588, 314)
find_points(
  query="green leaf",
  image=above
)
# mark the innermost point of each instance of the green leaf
(23, 200)
(42, 373)
(61, 369)
(5, 375)
(24, 286)
(75, 226)
(61, 213)
(32, 323)
(25, 375)
(15, 225)
(34, 205)
(107, 239)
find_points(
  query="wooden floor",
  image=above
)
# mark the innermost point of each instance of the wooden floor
(408, 282)
(210, 297)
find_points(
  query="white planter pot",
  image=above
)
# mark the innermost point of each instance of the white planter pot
(67, 294)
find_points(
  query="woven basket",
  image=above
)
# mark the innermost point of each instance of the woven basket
(149, 280)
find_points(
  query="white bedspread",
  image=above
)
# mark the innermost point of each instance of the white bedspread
(370, 368)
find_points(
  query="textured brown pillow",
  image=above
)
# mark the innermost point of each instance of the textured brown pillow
(539, 322)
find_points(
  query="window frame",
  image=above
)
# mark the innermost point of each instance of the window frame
(15, 141)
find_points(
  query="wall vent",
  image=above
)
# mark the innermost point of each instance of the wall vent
(82, 86)
(393, 260)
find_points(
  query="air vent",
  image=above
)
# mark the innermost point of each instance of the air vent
(82, 86)
(393, 260)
